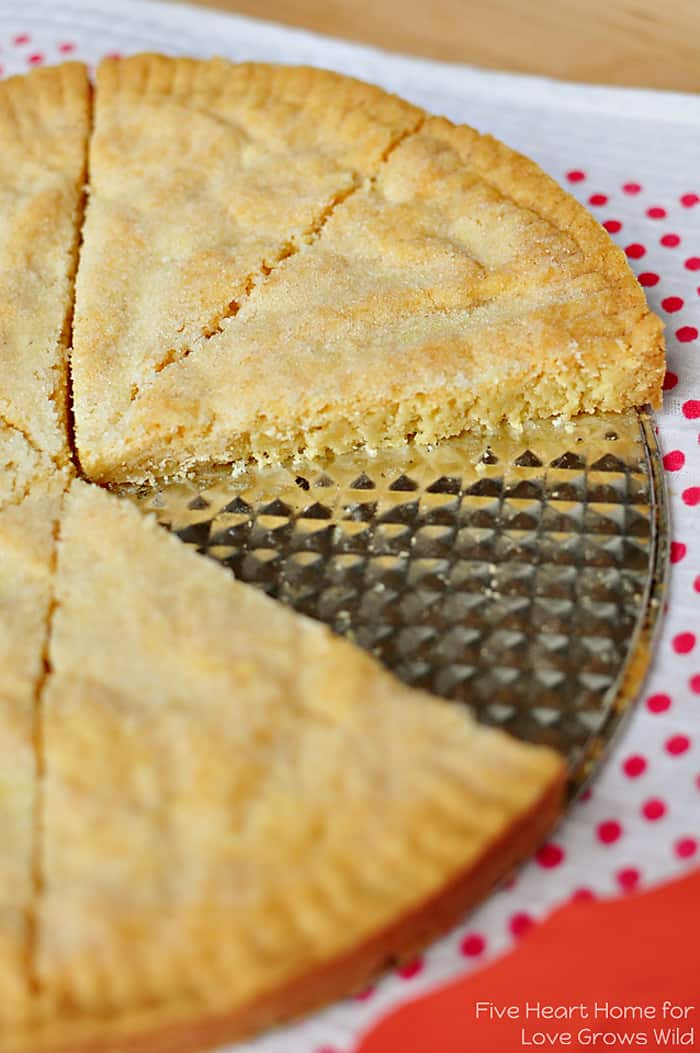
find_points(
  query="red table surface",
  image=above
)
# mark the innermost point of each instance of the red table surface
(642, 950)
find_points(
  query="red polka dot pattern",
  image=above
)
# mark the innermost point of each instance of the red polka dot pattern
(686, 333)
(686, 847)
(683, 643)
(688, 200)
(672, 304)
(410, 969)
(520, 923)
(674, 460)
(670, 241)
(635, 251)
(634, 766)
(658, 703)
(609, 832)
(550, 855)
(653, 809)
(631, 188)
(648, 279)
(473, 945)
(678, 551)
(670, 380)
(613, 226)
(628, 878)
(677, 745)
(583, 895)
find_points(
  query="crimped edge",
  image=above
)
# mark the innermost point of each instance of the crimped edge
(525, 183)
(336, 102)
(191, 1028)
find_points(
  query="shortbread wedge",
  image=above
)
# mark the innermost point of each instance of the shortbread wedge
(244, 816)
(44, 124)
(446, 283)
(29, 513)
(203, 176)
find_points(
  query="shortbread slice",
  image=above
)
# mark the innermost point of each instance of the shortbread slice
(203, 176)
(44, 123)
(28, 521)
(460, 287)
(244, 815)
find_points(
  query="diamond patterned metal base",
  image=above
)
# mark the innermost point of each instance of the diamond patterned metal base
(520, 577)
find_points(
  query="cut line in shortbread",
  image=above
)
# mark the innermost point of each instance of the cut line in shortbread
(44, 122)
(284, 262)
(243, 815)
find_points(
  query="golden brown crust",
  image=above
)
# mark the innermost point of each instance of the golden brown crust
(440, 294)
(302, 813)
(203, 175)
(44, 120)
(310, 106)
(442, 281)
(28, 514)
(404, 937)
(43, 128)
(345, 269)
(524, 182)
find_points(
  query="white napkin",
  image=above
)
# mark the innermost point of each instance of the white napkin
(634, 157)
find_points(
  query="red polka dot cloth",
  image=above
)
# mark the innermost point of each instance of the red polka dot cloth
(632, 157)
